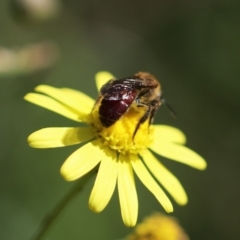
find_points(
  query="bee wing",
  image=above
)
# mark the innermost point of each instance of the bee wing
(130, 82)
(117, 90)
(119, 95)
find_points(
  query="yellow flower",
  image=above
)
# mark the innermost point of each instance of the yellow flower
(113, 148)
(158, 227)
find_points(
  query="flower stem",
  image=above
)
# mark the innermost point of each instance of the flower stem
(49, 219)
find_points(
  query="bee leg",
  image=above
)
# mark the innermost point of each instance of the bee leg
(143, 119)
(153, 111)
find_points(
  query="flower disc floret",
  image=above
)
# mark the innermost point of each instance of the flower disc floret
(120, 136)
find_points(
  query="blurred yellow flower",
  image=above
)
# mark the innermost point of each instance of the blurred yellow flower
(158, 227)
(114, 149)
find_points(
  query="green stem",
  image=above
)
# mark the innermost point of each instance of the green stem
(49, 219)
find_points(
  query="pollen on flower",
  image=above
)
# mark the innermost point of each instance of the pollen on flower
(120, 135)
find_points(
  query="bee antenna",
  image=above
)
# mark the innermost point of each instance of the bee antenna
(163, 101)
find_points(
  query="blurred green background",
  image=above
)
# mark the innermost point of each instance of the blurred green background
(193, 47)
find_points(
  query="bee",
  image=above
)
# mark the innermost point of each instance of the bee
(117, 96)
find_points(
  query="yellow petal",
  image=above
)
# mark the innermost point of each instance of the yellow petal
(127, 192)
(164, 133)
(77, 101)
(150, 183)
(82, 100)
(102, 78)
(52, 105)
(105, 182)
(59, 137)
(180, 153)
(82, 161)
(167, 179)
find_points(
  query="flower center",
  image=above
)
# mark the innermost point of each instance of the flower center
(120, 135)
